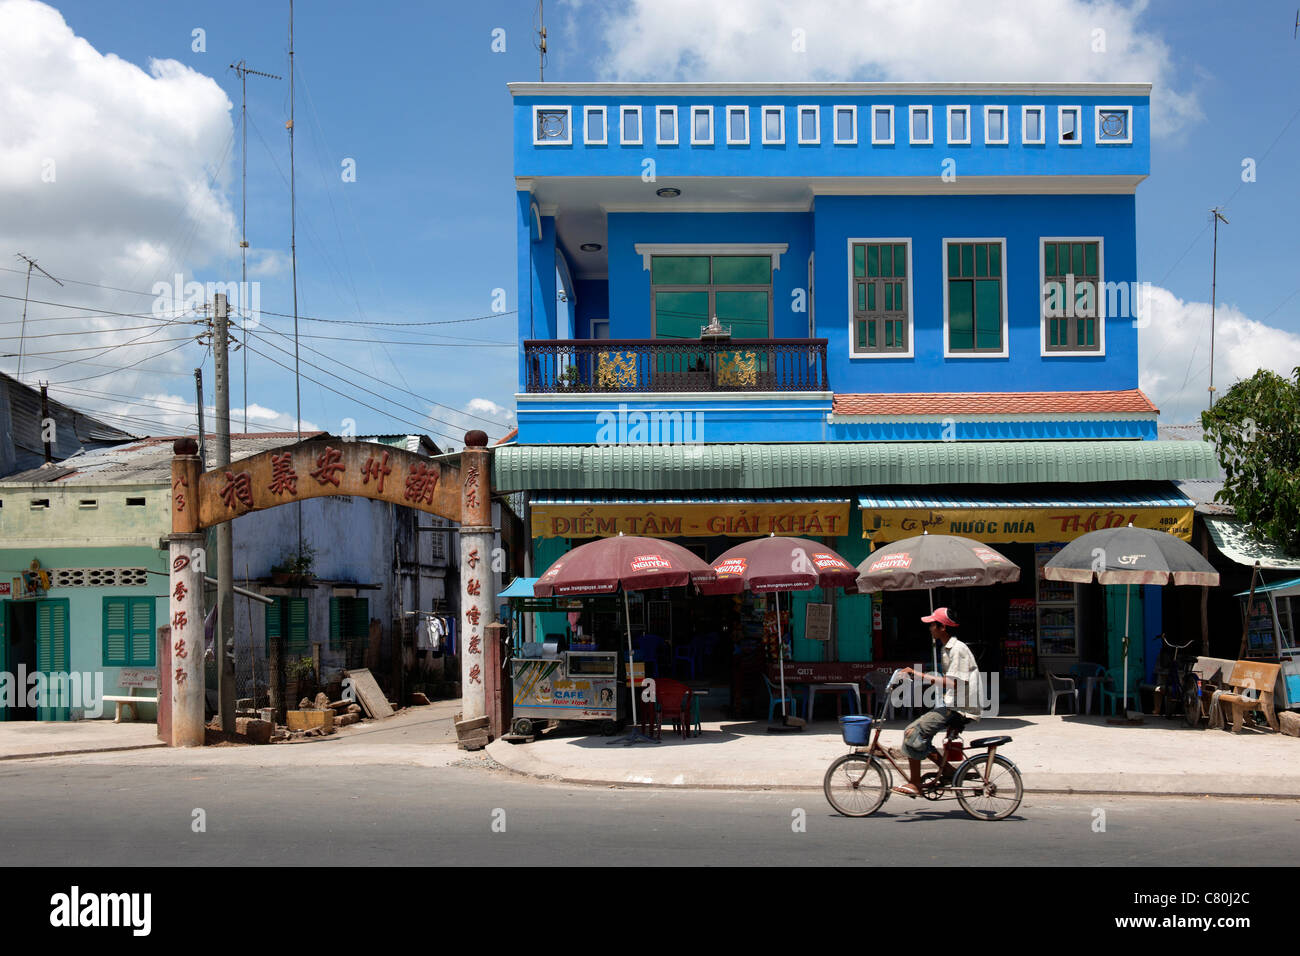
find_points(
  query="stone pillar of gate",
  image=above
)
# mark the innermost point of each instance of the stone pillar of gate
(184, 683)
(477, 539)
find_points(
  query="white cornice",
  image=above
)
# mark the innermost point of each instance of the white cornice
(974, 185)
(826, 89)
(774, 249)
(802, 205)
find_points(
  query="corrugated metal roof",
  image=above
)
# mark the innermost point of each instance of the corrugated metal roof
(1075, 496)
(844, 464)
(1236, 543)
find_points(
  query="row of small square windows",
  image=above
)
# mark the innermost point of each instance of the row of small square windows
(552, 125)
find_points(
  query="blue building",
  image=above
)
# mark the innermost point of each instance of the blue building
(859, 307)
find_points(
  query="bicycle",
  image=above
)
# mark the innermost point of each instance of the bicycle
(988, 785)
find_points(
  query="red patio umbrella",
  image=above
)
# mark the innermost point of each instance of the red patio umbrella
(630, 563)
(776, 564)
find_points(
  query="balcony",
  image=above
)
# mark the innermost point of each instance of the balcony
(613, 366)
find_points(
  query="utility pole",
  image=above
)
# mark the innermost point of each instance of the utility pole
(225, 530)
(22, 334)
(1214, 278)
(241, 68)
(293, 258)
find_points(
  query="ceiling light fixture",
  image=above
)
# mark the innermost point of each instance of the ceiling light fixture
(668, 192)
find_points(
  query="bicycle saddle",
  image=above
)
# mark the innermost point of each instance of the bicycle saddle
(990, 741)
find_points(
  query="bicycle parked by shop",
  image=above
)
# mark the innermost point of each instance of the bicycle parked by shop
(987, 785)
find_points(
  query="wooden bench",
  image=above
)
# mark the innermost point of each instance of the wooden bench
(1250, 676)
(130, 702)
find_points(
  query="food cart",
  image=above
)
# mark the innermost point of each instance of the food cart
(1272, 615)
(554, 684)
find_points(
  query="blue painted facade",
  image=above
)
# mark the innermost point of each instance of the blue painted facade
(813, 200)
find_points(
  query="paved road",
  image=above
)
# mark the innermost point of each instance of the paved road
(140, 811)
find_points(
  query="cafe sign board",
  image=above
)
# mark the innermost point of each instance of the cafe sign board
(692, 519)
(883, 525)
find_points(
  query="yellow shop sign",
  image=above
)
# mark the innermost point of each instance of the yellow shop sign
(692, 520)
(883, 525)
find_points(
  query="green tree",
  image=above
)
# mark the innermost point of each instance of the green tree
(1255, 429)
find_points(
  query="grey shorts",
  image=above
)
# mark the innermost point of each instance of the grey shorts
(919, 733)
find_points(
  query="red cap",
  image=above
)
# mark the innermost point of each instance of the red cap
(941, 616)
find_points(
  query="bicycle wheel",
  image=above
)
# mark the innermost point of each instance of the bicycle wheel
(991, 799)
(855, 785)
(1192, 703)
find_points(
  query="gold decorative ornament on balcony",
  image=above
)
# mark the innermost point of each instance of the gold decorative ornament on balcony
(740, 371)
(615, 371)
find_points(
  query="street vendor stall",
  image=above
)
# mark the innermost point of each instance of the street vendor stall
(1272, 615)
(553, 683)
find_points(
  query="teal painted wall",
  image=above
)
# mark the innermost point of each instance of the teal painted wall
(545, 552)
(853, 611)
(1115, 635)
(86, 604)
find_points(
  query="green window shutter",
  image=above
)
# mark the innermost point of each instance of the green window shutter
(142, 644)
(361, 620)
(272, 623)
(52, 636)
(298, 641)
(115, 632)
(337, 613)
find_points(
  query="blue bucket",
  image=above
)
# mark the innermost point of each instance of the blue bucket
(856, 730)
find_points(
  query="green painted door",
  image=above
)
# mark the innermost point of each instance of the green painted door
(53, 656)
(1115, 600)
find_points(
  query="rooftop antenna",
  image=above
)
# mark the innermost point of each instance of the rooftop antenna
(1216, 218)
(243, 70)
(541, 41)
(22, 334)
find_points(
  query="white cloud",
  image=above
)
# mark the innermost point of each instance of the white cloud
(109, 175)
(1174, 353)
(489, 408)
(940, 40)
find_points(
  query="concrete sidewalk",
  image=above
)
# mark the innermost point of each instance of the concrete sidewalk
(22, 739)
(1054, 754)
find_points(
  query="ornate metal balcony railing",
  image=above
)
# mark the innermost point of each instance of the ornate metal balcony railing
(674, 365)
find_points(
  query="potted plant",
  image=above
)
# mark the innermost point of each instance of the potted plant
(294, 567)
(300, 680)
(570, 377)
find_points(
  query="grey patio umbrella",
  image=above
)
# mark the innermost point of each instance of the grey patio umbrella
(1130, 556)
(934, 561)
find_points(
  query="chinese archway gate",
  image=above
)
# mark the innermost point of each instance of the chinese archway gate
(312, 469)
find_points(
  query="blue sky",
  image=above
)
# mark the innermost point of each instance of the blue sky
(414, 94)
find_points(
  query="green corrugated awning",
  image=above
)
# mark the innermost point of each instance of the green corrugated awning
(844, 464)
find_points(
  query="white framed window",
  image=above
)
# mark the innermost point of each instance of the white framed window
(995, 125)
(920, 124)
(595, 132)
(1074, 295)
(552, 125)
(773, 124)
(846, 125)
(1069, 119)
(975, 298)
(737, 125)
(880, 298)
(810, 124)
(701, 125)
(1033, 126)
(1113, 124)
(959, 125)
(629, 125)
(882, 126)
(666, 125)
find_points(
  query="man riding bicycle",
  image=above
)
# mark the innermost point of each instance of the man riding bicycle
(960, 683)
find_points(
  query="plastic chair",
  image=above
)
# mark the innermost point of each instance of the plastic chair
(774, 697)
(647, 646)
(688, 655)
(1057, 687)
(1112, 689)
(674, 700)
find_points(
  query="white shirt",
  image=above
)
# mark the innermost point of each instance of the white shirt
(959, 663)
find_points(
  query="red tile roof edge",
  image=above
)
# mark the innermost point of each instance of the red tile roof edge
(993, 403)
